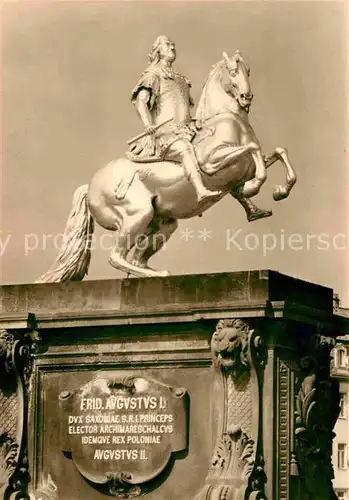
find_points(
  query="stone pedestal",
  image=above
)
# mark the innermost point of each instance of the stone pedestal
(197, 387)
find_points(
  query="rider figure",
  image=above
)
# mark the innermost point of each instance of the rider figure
(164, 94)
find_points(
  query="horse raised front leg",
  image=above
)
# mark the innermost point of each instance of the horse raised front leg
(282, 191)
(224, 154)
(253, 186)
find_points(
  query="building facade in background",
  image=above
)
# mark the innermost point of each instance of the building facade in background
(340, 456)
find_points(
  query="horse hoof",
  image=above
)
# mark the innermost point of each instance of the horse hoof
(280, 193)
(149, 270)
(164, 273)
(254, 147)
(280, 151)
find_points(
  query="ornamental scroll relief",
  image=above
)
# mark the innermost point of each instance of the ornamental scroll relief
(317, 409)
(237, 465)
(15, 375)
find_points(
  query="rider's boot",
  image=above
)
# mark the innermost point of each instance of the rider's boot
(193, 173)
(252, 211)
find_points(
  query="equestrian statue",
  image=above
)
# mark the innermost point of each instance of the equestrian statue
(176, 169)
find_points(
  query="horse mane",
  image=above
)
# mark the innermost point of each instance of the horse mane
(200, 111)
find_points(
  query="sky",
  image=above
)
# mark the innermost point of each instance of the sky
(68, 69)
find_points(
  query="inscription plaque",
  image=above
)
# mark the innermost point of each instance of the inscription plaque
(121, 433)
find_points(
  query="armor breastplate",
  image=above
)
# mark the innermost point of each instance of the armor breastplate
(173, 100)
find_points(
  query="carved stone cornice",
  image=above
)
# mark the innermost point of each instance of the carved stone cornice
(15, 370)
(237, 465)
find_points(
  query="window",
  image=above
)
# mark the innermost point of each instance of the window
(341, 494)
(341, 456)
(342, 405)
(341, 358)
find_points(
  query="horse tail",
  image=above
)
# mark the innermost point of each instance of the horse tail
(73, 260)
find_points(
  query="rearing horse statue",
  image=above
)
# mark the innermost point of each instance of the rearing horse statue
(142, 202)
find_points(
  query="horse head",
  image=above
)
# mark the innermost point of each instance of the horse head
(227, 88)
(240, 87)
